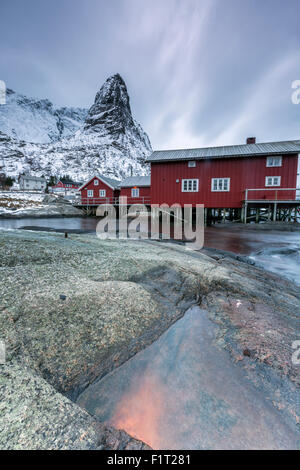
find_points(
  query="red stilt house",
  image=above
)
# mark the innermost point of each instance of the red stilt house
(100, 190)
(227, 177)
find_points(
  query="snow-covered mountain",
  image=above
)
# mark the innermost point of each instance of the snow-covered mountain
(106, 139)
(38, 121)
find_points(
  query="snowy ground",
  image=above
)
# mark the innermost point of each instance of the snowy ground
(15, 201)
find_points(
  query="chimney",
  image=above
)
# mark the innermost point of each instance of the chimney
(251, 140)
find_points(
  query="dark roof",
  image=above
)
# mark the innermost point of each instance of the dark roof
(136, 181)
(114, 184)
(70, 182)
(268, 148)
(110, 181)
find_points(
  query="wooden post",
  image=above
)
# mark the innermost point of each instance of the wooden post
(246, 206)
(205, 217)
(257, 215)
(269, 212)
(242, 214)
(274, 212)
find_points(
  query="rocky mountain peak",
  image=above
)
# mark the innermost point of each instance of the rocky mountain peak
(111, 110)
(41, 139)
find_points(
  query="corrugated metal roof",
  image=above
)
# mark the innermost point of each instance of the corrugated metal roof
(136, 181)
(292, 146)
(112, 182)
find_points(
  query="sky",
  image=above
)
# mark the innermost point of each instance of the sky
(199, 72)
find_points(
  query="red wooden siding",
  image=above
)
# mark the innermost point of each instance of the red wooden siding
(144, 195)
(245, 172)
(111, 195)
(62, 185)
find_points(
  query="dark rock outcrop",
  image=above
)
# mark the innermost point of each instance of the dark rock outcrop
(105, 140)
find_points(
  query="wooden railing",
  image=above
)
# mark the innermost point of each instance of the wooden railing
(116, 201)
(277, 195)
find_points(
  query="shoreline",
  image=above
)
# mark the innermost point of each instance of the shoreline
(51, 216)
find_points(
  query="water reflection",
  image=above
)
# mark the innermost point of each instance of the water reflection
(183, 392)
(259, 244)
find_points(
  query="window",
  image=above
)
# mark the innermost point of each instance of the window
(190, 186)
(191, 164)
(102, 193)
(220, 184)
(274, 161)
(135, 192)
(96, 182)
(273, 180)
(90, 193)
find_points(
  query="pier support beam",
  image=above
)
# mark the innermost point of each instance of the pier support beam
(245, 213)
(205, 217)
(274, 212)
(257, 215)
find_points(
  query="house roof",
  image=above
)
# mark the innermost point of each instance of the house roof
(112, 183)
(136, 181)
(267, 148)
(77, 183)
(33, 178)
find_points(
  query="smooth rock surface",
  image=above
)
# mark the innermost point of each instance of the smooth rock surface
(120, 297)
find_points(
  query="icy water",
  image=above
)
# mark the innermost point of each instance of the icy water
(184, 392)
(276, 251)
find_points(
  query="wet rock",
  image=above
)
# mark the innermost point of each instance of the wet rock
(121, 296)
(36, 417)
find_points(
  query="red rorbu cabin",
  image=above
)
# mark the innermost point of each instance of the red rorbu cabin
(100, 190)
(227, 177)
(137, 190)
(65, 186)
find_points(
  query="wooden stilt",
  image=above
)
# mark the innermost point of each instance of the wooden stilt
(274, 212)
(257, 215)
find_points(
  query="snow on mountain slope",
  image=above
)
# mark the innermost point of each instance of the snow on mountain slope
(110, 142)
(37, 120)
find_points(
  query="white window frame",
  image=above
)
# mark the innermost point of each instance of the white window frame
(102, 192)
(96, 182)
(220, 190)
(190, 185)
(135, 192)
(271, 161)
(192, 164)
(90, 193)
(272, 181)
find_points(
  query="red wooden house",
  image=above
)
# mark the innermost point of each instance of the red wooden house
(100, 190)
(227, 177)
(64, 186)
(136, 189)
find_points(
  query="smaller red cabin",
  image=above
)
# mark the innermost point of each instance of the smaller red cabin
(100, 190)
(64, 186)
(136, 189)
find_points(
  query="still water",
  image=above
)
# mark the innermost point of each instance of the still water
(184, 392)
(276, 251)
